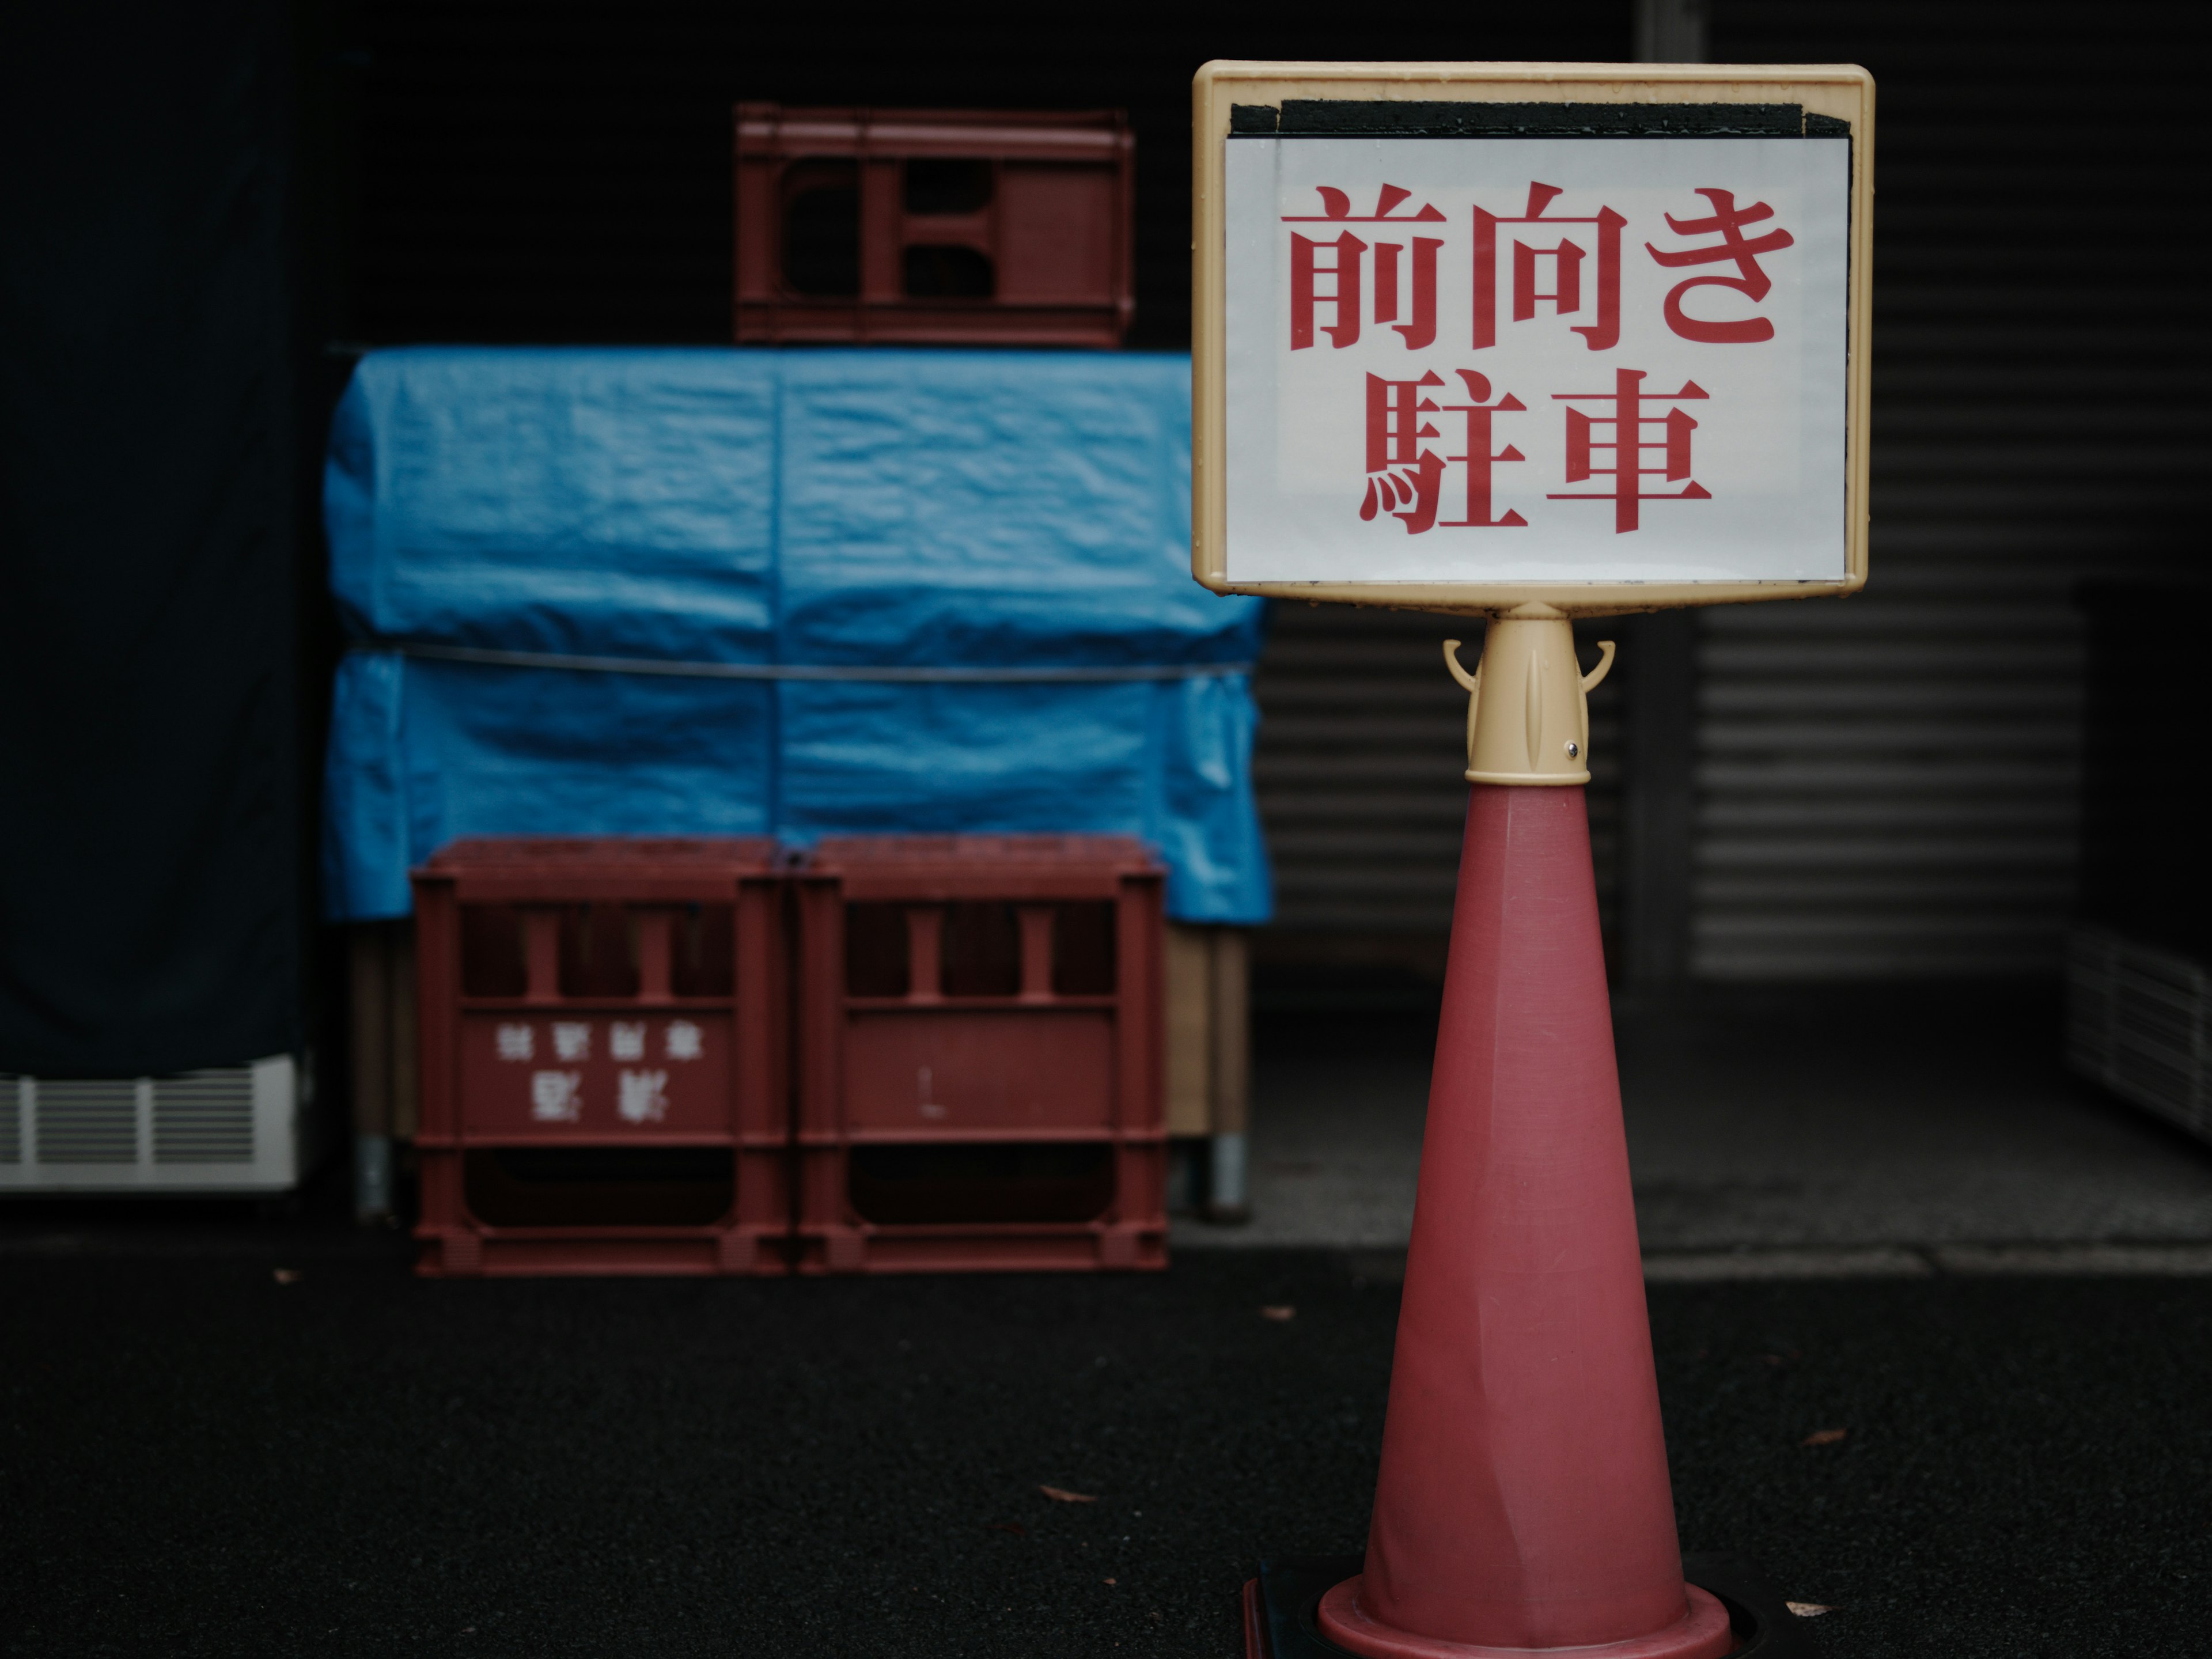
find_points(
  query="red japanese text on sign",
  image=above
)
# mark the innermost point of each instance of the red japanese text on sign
(1348, 251)
(1403, 472)
(1540, 266)
(1467, 349)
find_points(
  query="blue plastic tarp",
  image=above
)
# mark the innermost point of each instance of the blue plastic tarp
(829, 513)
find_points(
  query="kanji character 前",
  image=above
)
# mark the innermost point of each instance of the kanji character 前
(1343, 295)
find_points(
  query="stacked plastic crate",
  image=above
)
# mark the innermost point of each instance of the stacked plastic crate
(805, 594)
(979, 1071)
(602, 1083)
(945, 226)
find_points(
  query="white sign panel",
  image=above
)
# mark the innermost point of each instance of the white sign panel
(1554, 361)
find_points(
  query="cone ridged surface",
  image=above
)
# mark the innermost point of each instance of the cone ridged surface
(1523, 1499)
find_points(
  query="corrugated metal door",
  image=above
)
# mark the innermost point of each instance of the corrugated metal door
(1886, 784)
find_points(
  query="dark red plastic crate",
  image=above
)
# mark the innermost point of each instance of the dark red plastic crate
(980, 1057)
(604, 1075)
(936, 226)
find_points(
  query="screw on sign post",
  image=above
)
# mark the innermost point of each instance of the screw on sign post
(1527, 342)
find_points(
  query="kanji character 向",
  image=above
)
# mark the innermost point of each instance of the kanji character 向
(1566, 294)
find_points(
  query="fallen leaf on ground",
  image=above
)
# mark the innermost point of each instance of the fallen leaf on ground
(1109, 1581)
(1008, 1526)
(1824, 1436)
(1061, 1495)
(287, 1275)
(1807, 1609)
(1279, 1312)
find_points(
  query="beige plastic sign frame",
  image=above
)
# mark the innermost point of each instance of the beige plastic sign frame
(1471, 580)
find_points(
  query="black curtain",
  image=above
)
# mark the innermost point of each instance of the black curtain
(151, 882)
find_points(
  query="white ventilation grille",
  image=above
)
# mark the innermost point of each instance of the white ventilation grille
(205, 1117)
(87, 1120)
(234, 1129)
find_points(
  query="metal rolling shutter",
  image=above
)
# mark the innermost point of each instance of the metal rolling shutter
(1362, 745)
(1886, 784)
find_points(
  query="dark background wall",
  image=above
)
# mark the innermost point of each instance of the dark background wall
(154, 425)
(561, 171)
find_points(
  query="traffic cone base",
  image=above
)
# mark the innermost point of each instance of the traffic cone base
(1522, 1505)
(1704, 1632)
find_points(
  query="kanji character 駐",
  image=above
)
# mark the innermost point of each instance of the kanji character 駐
(1727, 220)
(1629, 445)
(1566, 295)
(1405, 478)
(1344, 269)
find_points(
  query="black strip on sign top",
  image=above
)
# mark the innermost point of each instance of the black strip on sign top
(1348, 118)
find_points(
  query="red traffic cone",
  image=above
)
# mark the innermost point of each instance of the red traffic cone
(1523, 1501)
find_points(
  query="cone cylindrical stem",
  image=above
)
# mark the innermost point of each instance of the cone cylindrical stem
(1523, 1499)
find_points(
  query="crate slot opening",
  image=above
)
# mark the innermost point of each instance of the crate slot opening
(599, 1185)
(600, 949)
(947, 270)
(493, 963)
(1016, 1182)
(875, 951)
(1083, 956)
(822, 227)
(704, 947)
(980, 948)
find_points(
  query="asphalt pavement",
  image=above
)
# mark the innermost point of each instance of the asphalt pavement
(260, 1442)
(1932, 1323)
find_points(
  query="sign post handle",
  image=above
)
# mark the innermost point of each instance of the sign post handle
(1524, 1500)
